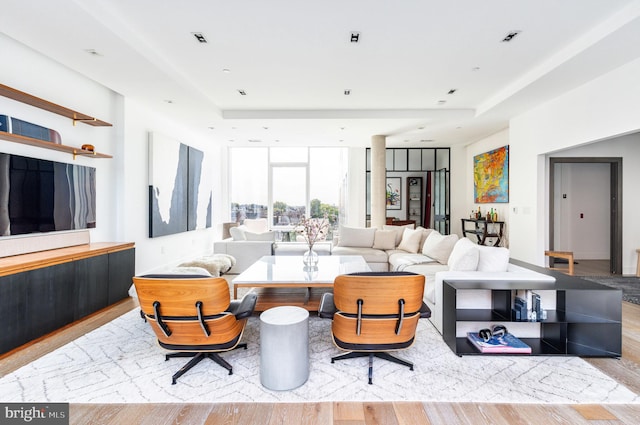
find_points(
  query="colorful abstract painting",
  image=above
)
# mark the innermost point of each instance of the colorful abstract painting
(491, 176)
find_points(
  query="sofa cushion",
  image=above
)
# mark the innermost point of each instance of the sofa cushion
(425, 234)
(429, 271)
(237, 233)
(399, 231)
(439, 247)
(360, 237)
(370, 255)
(411, 240)
(265, 236)
(256, 225)
(493, 259)
(399, 260)
(384, 239)
(464, 256)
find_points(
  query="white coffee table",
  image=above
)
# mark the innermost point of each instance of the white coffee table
(284, 280)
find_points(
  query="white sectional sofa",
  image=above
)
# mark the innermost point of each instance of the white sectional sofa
(397, 248)
(438, 257)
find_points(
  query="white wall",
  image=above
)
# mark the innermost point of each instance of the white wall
(122, 182)
(465, 197)
(604, 108)
(164, 251)
(34, 74)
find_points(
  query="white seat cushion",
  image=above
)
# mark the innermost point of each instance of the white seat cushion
(370, 255)
(399, 260)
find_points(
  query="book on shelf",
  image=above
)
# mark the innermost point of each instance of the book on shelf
(505, 344)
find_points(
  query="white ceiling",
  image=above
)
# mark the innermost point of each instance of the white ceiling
(294, 59)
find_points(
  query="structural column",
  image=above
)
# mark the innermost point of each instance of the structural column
(378, 181)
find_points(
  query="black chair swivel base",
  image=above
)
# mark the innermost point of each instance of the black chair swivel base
(371, 355)
(197, 357)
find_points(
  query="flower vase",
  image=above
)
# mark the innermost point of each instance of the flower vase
(310, 258)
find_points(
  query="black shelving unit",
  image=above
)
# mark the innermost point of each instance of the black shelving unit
(586, 321)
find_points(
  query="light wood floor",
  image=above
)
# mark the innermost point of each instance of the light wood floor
(626, 370)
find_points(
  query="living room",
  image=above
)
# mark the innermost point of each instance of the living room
(593, 115)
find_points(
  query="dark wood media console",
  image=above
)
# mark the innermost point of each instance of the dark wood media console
(44, 291)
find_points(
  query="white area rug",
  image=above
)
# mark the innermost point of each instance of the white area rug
(121, 362)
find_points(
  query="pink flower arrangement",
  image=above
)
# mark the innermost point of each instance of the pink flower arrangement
(313, 229)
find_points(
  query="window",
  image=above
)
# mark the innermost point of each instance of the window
(248, 168)
(283, 184)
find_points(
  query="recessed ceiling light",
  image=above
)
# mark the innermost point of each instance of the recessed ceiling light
(355, 36)
(242, 92)
(93, 52)
(475, 68)
(452, 91)
(226, 70)
(200, 37)
(347, 92)
(442, 102)
(421, 128)
(255, 141)
(212, 128)
(168, 101)
(427, 140)
(266, 128)
(510, 36)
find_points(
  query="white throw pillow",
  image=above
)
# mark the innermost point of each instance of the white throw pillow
(399, 230)
(425, 234)
(411, 240)
(493, 259)
(439, 247)
(384, 239)
(256, 225)
(237, 233)
(358, 237)
(266, 236)
(464, 256)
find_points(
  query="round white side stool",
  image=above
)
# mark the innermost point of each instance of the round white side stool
(284, 347)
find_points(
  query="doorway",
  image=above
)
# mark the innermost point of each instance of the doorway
(611, 223)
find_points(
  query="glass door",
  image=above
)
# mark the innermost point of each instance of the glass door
(440, 202)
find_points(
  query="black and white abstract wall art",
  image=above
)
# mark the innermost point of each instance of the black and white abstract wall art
(200, 194)
(180, 193)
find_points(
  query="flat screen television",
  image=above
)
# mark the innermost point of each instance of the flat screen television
(38, 195)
